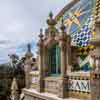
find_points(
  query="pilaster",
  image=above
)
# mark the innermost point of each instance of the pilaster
(41, 69)
(95, 74)
(27, 66)
(63, 81)
(63, 47)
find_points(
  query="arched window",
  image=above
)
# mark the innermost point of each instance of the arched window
(54, 60)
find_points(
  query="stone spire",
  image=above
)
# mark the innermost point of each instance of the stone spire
(62, 26)
(14, 90)
(28, 47)
(41, 38)
(51, 21)
(28, 53)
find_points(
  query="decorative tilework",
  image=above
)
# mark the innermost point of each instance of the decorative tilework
(82, 37)
(97, 8)
(77, 18)
(85, 50)
(79, 21)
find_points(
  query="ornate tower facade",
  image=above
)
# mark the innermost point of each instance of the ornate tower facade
(53, 51)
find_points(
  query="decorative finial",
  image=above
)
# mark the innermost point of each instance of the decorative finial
(29, 47)
(41, 36)
(41, 30)
(51, 15)
(41, 33)
(51, 21)
(46, 33)
(62, 26)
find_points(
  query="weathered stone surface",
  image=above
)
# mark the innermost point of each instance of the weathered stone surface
(51, 85)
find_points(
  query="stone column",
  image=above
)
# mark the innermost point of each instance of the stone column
(95, 74)
(69, 55)
(63, 56)
(41, 56)
(95, 81)
(63, 79)
(27, 68)
(63, 46)
(46, 69)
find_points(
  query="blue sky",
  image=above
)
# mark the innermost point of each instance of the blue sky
(20, 22)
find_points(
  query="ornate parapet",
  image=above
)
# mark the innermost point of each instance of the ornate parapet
(79, 85)
(76, 85)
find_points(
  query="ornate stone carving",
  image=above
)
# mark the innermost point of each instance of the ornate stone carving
(51, 26)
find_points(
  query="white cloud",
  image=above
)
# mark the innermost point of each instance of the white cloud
(20, 21)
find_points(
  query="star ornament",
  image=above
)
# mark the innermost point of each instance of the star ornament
(73, 18)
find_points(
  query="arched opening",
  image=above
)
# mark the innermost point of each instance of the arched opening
(54, 60)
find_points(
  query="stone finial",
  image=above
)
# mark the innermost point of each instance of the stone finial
(14, 90)
(51, 21)
(28, 53)
(41, 34)
(63, 35)
(46, 33)
(40, 43)
(29, 47)
(51, 15)
(62, 26)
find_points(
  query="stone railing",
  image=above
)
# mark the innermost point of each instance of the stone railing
(34, 79)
